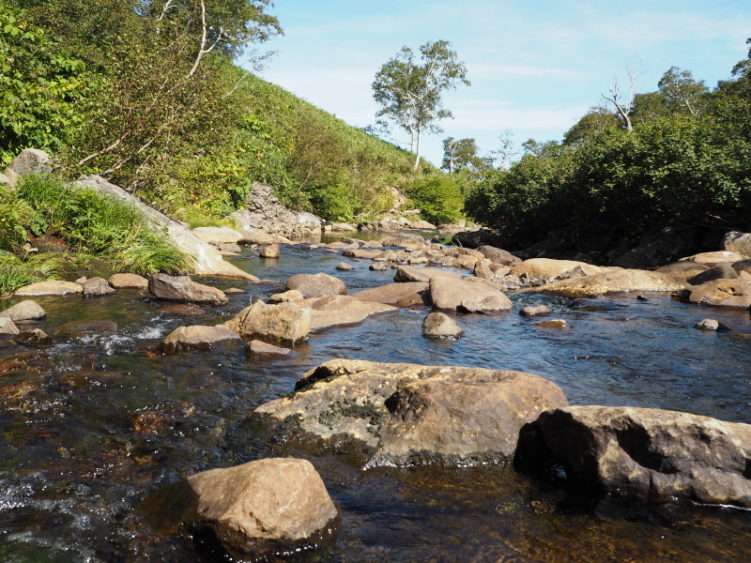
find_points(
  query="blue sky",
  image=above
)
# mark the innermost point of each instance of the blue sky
(536, 66)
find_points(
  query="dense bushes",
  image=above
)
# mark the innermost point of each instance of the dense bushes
(439, 197)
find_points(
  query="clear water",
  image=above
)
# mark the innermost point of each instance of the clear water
(94, 424)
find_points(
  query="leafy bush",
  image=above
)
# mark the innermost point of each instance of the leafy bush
(439, 198)
(15, 272)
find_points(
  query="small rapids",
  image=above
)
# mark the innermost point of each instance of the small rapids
(96, 422)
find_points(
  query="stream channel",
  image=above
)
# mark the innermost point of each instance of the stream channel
(96, 422)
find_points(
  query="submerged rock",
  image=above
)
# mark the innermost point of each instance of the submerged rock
(316, 285)
(77, 329)
(197, 337)
(270, 251)
(27, 310)
(534, 311)
(708, 325)
(440, 325)
(185, 290)
(128, 281)
(262, 507)
(344, 266)
(8, 327)
(97, 287)
(409, 412)
(261, 348)
(465, 296)
(288, 322)
(650, 454)
(50, 287)
(553, 323)
(33, 338)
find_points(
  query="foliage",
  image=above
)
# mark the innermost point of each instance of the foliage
(16, 272)
(439, 197)
(462, 154)
(40, 85)
(410, 90)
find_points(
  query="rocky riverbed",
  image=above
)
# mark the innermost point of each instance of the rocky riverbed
(101, 421)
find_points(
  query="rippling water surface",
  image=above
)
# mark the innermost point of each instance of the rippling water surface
(95, 423)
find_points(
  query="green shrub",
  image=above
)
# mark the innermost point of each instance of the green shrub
(15, 272)
(439, 198)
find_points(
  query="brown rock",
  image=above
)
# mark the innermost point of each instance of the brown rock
(742, 266)
(409, 274)
(185, 290)
(498, 255)
(718, 272)
(344, 266)
(261, 348)
(542, 270)
(553, 323)
(291, 295)
(76, 329)
(33, 338)
(683, 270)
(181, 309)
(645, 453)
(97, 287)
(393, 293)
(402, 410)
(722, 293)
(129, 281)
(316, 285)
(197, 338)
(270, 251)
(739, 243)
(534, 311)
(615, 281)
(27, 310)
(287, 322)
(366, 254)
(379, 267)
(50, 287)
(465, 296)
(440, 325)
(712, 258)
(8, 327)
(341, 310)
(262, 507)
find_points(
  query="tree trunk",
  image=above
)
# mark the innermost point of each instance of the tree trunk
(417, 151)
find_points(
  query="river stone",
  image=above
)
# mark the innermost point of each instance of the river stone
(288, 322)
(498, 255)
(340, 310)
(742, 266)
(291, 295)
(344, 266)
(708, 325)
(263, 506)
(218, 235)
(379, 267)
(365, 254)
(394, 293)
(316, 285)
(185, 290)
(8, 327)
(650, 454)
(465, 296)
(541, 270)
(737, 242)
(128, 281)
(683, 270)
(718, 272)
(409, 274)
(723, 293)
(196, 337)
(206, 259)
(615, 281)
(403, 412)
(97, 287)
(712, 258)
(27, 310)
(31, 161)
(33, 338)
(553, 323)
(270, 251)
(440, 325)
(261, 348)
(534, 310)
(77, 329)
(50, 287)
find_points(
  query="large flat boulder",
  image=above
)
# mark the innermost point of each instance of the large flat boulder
(340, 310)
(27, 310)
(262, 508)
(316, 285)
(50, 287)
(406, 274)
(218, 235)
(197, 337)
(287, 322)
(467, 297)
(645, 453)
(395, 293)
(734, 293)
(712, 258)
(683, 270)
(207, 260)
(615, 281)
(128, 281)
(185, 290)
(406, 413)
(542, 270)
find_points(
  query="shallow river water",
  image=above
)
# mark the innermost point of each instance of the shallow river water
(95, 423)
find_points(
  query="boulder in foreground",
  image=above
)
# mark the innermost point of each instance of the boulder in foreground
(650, 454)
(466, 296)
(408, 413)
(440, 325)
(27, 310)
(263, 507)
(287, 322)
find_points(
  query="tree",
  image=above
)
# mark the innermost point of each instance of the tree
(681, 91)
(461, 154)
(410, 89)
(597, 121)
(624, 103)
